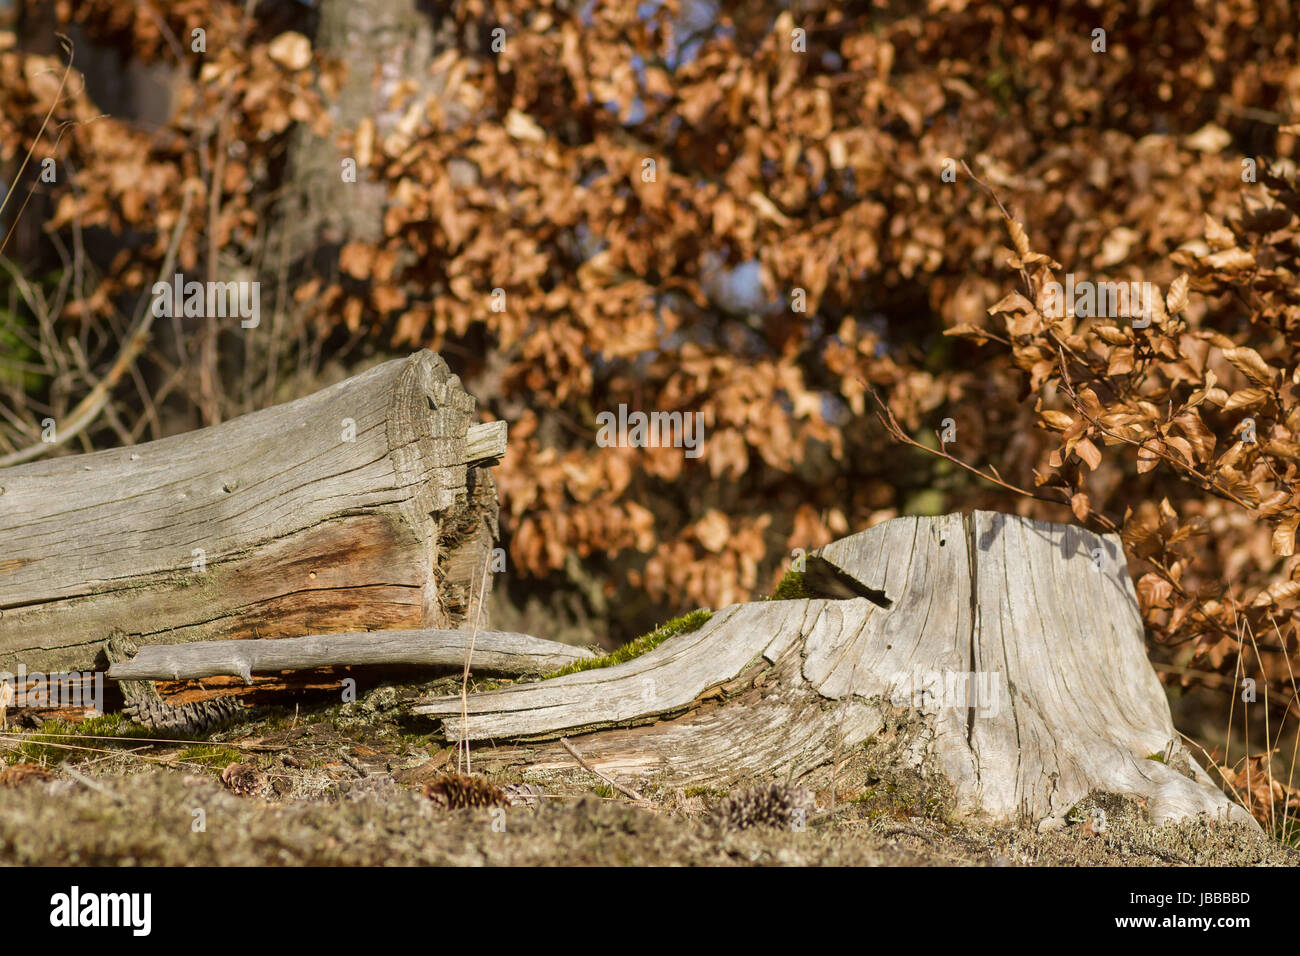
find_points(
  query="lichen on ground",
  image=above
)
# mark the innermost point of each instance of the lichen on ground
(342, 785)
(152, 818)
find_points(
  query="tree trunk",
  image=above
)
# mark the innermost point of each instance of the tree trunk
(367, 505)
(1002, 656)
(386, 43)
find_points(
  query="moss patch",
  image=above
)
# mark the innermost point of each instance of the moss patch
(791, 588)
(215, 758)
(58, 740)
(678, 625)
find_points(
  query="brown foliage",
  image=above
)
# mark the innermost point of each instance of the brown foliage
(1187, 431)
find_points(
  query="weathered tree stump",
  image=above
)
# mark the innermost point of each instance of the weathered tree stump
(367, 505)
(1001, 655)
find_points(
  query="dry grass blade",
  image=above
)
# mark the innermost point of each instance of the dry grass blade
(462, 746)
(58, 97)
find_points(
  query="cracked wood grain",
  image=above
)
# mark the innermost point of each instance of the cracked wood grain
(319, 515)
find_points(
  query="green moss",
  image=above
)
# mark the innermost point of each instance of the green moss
(678, 625)
(1079, 813)
(791, 588)
(1158, 757)
(207, 756)
(929, 501)
(57, 740)
(16, 335)
(43, 748)
(110, 725)
(711, 792)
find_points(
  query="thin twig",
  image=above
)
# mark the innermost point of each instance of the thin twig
(626, 791)
(886, 418)
(347, 759)
(1268, 764)
(1295, 743)
(1214, 764)
(37, 737)
(58, 96)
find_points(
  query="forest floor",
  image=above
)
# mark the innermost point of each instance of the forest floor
(343, 785)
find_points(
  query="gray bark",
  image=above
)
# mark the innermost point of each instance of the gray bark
(384, 43)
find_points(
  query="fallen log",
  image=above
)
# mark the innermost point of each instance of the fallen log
(1000, 655)
(494, 652)
(369, 504)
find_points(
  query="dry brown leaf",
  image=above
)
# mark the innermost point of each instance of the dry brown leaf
(1056, 419)
(1176, 299)
(1018, 238)
(713, 531)
(1278, 593)
(1251, 364)
(1284, 535)
(291, 50)
(1086, 450)
(1245, 398)
(522, 126)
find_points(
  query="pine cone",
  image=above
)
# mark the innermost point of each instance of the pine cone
(454, 791)
(192, 718)
(242, 779)
(774, 805)
(21, 773)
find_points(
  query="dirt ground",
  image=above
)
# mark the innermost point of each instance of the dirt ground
(343, 785)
